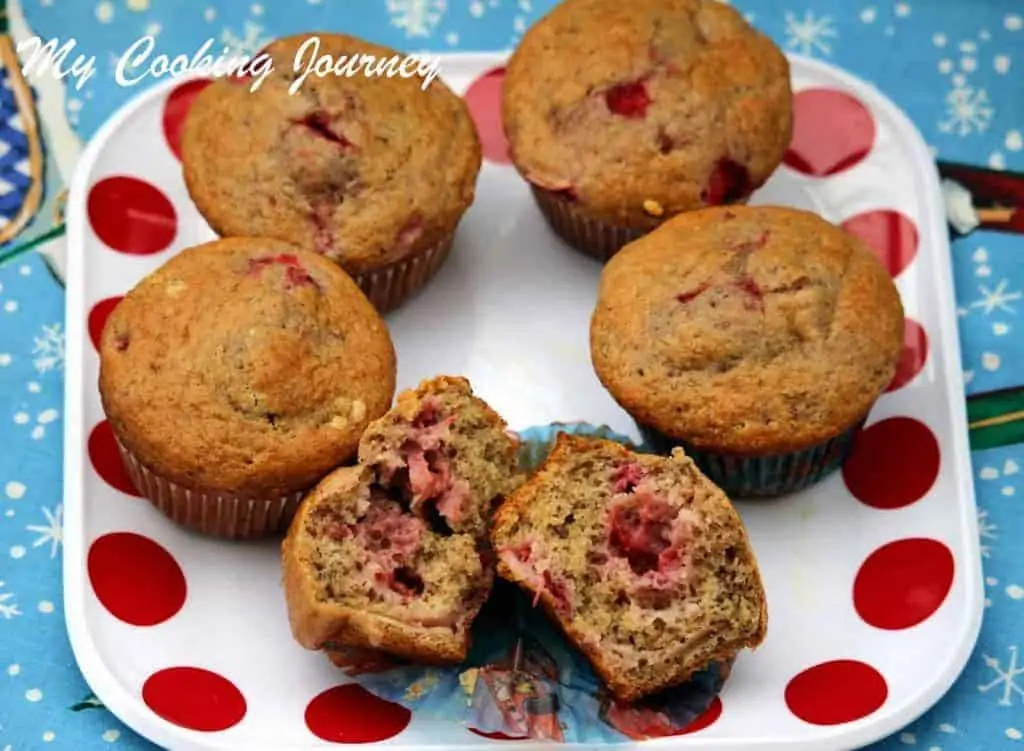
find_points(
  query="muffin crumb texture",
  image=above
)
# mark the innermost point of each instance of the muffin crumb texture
(643, 562)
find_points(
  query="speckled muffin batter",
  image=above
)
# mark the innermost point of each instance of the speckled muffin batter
(373, 172)
(242, 371)
(748, 332)
(629, 113)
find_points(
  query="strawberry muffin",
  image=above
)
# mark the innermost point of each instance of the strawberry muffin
(392, 557)
(373, 172)
(643, 563)
(238, 375)
(756, 338)
(622, 115)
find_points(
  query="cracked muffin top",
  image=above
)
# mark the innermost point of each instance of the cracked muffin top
(640, 110)
(367, 170)
(747, 330)
(245, 365)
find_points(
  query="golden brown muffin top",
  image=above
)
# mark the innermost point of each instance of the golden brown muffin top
(677, 103)
(366, 170)
(747, 330)
(245, 365)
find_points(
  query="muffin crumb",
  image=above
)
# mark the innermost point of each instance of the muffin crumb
(653, 208)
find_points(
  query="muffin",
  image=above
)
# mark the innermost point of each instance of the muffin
(236, 376)
(362, 572)
(392, 558)
(445, 453)
(756, 338)
(622, 115)
(643, 563)
(373, 172)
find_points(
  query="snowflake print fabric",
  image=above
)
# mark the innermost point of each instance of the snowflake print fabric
(40, 687)
(989, 277)
(986, 707)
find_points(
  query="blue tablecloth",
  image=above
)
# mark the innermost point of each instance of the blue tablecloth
(956, 68)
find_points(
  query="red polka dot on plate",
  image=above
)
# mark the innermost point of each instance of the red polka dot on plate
(98, 318)
(890, 234)
(135, 578)
(106, 459)
(351, 714)
(708, 718)
(893, 463)
(836, 692)
(131, 215)
(176, 110)
(832, 132)
(484, 101)
(903, 583)
(913, 355)
(194, 698)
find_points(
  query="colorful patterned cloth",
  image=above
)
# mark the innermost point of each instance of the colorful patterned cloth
(951, 64)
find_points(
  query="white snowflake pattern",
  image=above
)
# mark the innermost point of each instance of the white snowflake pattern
(809, 35)
(248, 43)
(52, 532)
(986, 531)
(1006, 678)
(8, 609)
(416, 17)
(968, 109)
(992, 300)
(48, 349)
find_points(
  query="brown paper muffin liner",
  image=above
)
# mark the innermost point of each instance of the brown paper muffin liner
(211, 512)
(765, 476)
(388, 287)
(594, 237)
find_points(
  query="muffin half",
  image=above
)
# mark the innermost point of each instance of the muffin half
(643, 563)
(392, 558)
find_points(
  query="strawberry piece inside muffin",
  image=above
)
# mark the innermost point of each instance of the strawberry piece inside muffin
(729, 183)
(628, 99)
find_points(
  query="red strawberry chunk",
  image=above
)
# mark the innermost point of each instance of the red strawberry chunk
(319, 124)
(295, 274)
(628, 99)
(729, 182)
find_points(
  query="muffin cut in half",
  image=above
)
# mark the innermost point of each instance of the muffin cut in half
(372, 561)
(445, 453)
(642, 561)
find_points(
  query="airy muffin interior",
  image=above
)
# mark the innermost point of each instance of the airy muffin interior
(370, 554)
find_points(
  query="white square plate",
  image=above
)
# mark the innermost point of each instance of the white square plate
(510, 311)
